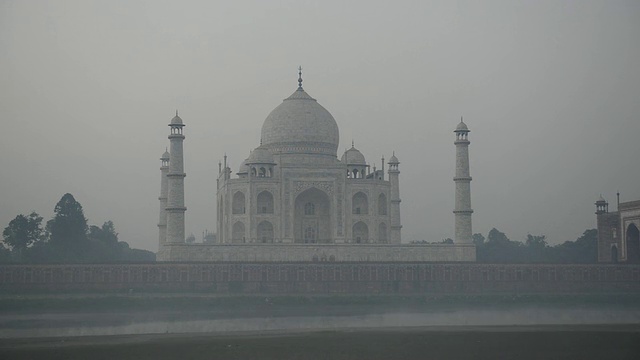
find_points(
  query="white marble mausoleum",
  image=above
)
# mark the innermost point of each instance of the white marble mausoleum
(294, 199)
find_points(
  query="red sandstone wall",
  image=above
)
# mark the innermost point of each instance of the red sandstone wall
(322, 278)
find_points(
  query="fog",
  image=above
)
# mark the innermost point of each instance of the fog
(66, 325)
(549, 90)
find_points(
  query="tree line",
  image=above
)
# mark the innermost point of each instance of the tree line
(496, 247)
(66, 238)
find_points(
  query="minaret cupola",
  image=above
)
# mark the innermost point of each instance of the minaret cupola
(176, 125)
(164, 159)
(602, 206)
(462, 131)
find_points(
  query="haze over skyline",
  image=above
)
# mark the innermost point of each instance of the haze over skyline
(549, 90)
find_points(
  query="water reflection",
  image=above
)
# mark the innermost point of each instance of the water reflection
(66, 325)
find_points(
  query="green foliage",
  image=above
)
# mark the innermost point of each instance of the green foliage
(536, 242)
(106, 234)
(127, 254)
(68, 228)
(23, 232)
(5, 254)
(70, 239)
(583, 250)
(137, 255)
(500, 249)
(478, 239)
(103, 241)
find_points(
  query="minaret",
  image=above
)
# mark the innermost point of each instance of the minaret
(394, 181)
(463, 186)
(164, 189)
(175, 197)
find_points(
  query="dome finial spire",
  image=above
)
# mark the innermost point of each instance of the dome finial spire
(299, 77)
(176, 112)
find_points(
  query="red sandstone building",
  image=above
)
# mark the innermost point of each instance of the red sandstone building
(618, 235)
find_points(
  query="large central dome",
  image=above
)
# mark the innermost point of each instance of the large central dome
(300, 126)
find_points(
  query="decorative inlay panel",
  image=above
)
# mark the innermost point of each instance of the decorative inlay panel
(300, 186)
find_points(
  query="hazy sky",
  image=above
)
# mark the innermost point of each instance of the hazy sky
(549, 89)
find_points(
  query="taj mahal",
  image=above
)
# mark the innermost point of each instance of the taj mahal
(294, 200)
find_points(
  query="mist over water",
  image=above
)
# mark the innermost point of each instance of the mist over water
(66, 325)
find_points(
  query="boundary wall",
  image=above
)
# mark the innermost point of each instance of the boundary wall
(322, 278)
(284, 253)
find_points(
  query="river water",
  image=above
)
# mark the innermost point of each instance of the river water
(95, 324)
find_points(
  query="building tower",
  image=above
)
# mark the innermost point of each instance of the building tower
(462, 179)
(602, 206)
(394, 175)
(175, 195)
(164, 188)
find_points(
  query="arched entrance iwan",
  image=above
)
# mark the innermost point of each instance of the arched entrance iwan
(312, 217)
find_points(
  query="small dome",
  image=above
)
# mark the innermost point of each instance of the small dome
(353, 156)
(462, 127)
(394, 159)
(243, 169)
(601, 200)
(260, 155)
(166, 155)
(176, 120)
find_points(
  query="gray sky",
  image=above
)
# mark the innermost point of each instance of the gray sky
(549, 89)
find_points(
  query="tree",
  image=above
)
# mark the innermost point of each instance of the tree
(106, 234)
(5, 254)
(103, 243)
(68, 228)
(536, 242)
(135, 255)
(499, 249)
(478, 239)
(497, 237)
(583, 250)
(23, 232)
(587, 245)
(536, 249)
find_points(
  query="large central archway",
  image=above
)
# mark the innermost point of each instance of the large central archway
(633, 244)
(312, 217)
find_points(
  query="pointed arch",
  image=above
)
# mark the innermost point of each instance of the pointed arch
(312, 217)
(382, 233)
(265, 232)
(360, 203)
(360, 233)
(382, 204)
(265, 202)
(238, 235)
(238, 203)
